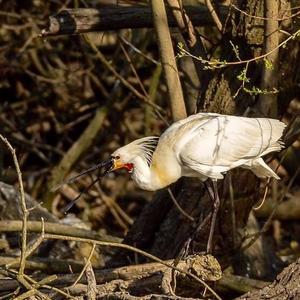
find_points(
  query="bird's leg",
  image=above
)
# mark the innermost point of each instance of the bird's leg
(209, 190)
(216, 204)
(211, 216)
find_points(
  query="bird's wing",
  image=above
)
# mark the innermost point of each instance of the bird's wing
(226, 141)
(175, 137)
(179, 131)
(199, 118)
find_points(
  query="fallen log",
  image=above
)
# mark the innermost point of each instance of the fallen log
(83, 20)
(205, 267)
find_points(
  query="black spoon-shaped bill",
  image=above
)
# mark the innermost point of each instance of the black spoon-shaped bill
(107, 164)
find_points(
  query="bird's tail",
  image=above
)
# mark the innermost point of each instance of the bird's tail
(276, 130)
(262, 170)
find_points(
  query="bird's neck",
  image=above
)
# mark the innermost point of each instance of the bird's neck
(153, 177)
(143, 175)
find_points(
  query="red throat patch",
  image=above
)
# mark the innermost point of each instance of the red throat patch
(129, 167)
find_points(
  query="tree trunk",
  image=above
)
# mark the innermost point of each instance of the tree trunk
(286, 286)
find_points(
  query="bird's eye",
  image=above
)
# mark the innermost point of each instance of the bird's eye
(117, 157)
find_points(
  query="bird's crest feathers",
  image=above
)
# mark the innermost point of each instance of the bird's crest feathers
(143, 147)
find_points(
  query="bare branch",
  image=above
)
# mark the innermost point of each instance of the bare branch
(177, 104)
(194, 70)
(267, 103)
(214, 15)
(37, 226)
(25, 211)
(83, 20)
(136, 250)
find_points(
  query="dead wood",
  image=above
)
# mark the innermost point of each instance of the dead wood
(205, 267)
(127, 296)
(82, 20)
(92, 285)
(61, 229)
(45, 265)
(286, 286)
(10, 218)
(10, 206)
(239, 284)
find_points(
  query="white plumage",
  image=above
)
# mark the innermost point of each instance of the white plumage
(204, 145)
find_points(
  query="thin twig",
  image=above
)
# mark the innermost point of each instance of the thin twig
(31, 285)
(268, 222)
(33, 247)
(133, 69)
(23, 205)
(136, 250)
(135, 49)
(268, 182)
(193, 40)
(85, 266)
(222, 64)
(125, 82)
(41, 264)
(32, 289)
(43, 283)
(38, 241)
(267, 18)
(121, 217)
(186, 215)
(264, 196)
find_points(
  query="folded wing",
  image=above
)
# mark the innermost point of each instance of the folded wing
(211, 144)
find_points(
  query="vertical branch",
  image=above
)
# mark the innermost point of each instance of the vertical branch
(214, 15)
(192, 69)
(168, 60)
(194, 42)
(24, 209)
(267, 103)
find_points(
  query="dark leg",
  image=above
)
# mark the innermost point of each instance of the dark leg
(210, 190)
(214, 196)
(213, 191)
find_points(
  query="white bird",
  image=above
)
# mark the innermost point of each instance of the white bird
(204, 145)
